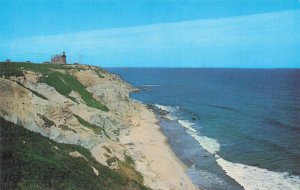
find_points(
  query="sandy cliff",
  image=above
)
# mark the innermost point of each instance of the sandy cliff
(128, 129)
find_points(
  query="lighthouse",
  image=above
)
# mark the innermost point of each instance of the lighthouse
(59, 59)
(64, 58)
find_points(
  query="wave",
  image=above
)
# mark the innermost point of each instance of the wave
(209, 144)
(206, 180)
(170, 117)
(188, 125)
(170, 109)
(251, 177)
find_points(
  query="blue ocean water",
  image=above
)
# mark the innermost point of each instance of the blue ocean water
(232, 127)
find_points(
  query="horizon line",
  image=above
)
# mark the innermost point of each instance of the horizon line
(155, 67)
(198, 67)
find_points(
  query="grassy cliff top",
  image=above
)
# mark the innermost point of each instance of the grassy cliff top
(64, 83)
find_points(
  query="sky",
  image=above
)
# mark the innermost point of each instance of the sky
(154, 33)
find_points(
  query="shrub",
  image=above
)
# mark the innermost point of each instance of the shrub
(30, 161)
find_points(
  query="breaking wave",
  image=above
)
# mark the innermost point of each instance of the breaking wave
(209, 144)
(169, 109)
(251, 177)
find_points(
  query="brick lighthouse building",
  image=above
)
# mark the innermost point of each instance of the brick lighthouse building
(59, 58)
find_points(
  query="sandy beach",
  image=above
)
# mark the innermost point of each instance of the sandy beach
(153, 156)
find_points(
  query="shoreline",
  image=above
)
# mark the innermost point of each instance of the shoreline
(131, 129)
(153, 155)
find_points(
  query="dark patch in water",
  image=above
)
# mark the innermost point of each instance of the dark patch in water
(222, 107)
(277, 123)
(292, 109)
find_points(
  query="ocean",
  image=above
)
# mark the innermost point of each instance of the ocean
(233, 128)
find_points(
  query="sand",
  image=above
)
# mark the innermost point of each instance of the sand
(153, 156)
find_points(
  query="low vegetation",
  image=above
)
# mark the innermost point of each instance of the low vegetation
(129, 160)
(99, 74)
(35, 67)
(125, 168)
(107, 149)
(47, 122)
(31, 161)
(97, 130)
(66, 128)
(8, 69)
(63, 83)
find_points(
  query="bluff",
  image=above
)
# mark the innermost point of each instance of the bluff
(60, 128)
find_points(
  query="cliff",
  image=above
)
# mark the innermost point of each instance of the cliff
(70, 109)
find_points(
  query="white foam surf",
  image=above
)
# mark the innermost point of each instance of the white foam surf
(203, 178)
(171, 117)
(188, 125)
(169, 109)
(209, 144)
(251, 177)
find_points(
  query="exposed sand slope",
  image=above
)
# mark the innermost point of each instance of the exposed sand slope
(154, 158)
(130, 127)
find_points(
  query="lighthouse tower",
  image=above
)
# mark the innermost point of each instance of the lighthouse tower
(64, 58)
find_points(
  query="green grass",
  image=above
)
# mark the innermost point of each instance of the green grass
(63, 83)
(97, 130)
(111, 160)
(17, 67)
(31, 161)
(129, 160)
(9, 69)
(125, 168)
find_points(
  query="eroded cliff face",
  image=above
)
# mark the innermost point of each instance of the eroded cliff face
(28, 101)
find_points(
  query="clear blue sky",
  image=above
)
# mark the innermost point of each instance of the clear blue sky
(164, 33)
